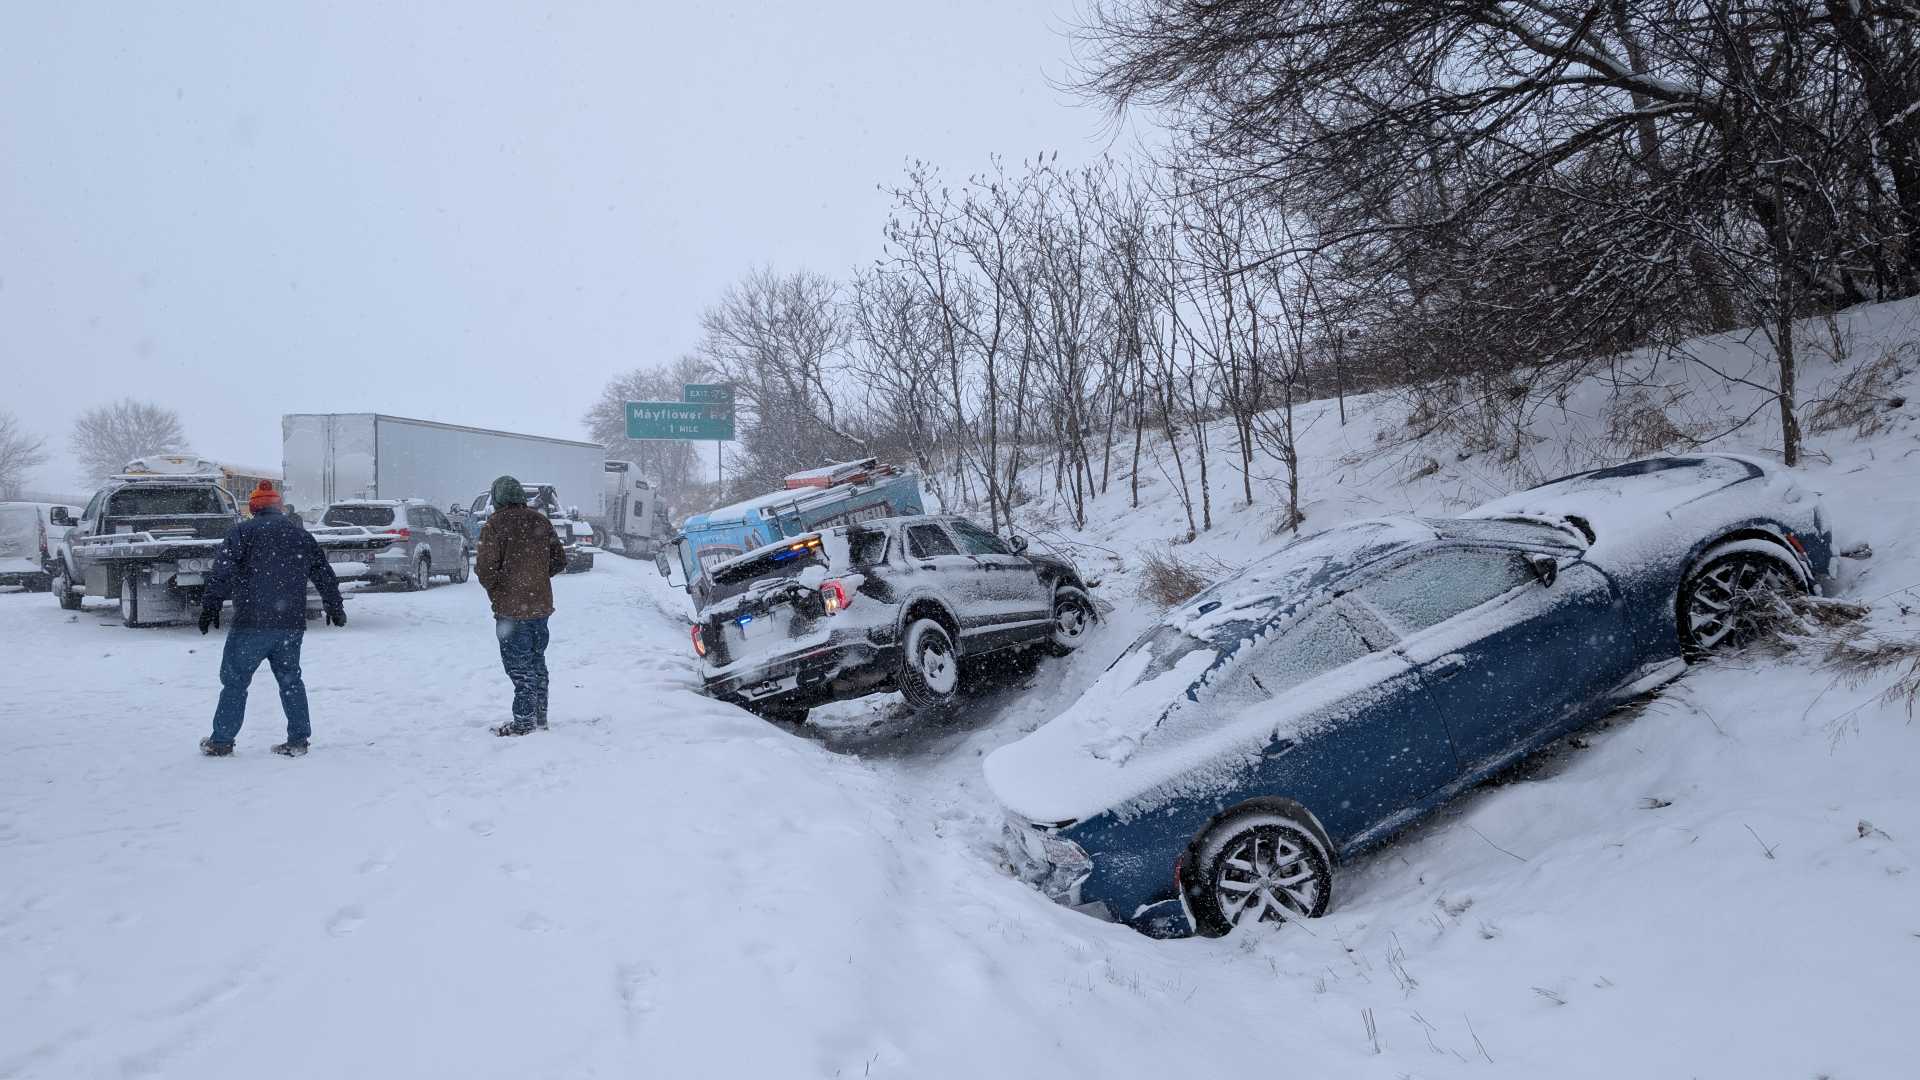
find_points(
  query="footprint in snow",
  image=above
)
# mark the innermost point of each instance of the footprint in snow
(482, 828)
(346, 921)
(378, 864)
(632, 981)
(517, 871)
(535, 923)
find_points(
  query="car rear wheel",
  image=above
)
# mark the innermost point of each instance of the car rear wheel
(929, 665)
(461, 570)
(1729, 601)
(422, 571)
(1259, 866)
(63, 589)
(130, 603)
(1073, 618)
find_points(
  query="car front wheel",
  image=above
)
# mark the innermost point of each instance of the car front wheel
(1730, 600)
(929, 665)
(1073, 618)
(1257, 866)
(63, 589)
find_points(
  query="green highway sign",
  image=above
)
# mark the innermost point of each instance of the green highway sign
(679, 420)
(708, 393)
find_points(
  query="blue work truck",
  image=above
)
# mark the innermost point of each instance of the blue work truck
(815, 499)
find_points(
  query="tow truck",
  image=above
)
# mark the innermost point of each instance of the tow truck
(844, 493)
(148, 539)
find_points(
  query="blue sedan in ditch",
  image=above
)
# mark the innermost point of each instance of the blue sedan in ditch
(1335, 692)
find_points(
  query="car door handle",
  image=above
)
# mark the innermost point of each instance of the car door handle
(1279, 748)
(1446, 667)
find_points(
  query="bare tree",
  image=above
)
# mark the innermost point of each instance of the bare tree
(781, 339)
(105, 438)
(20, 454)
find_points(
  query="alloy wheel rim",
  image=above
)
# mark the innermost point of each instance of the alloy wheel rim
(936, 665)
(1071, 622)
(1265, 877)
(1722, 607)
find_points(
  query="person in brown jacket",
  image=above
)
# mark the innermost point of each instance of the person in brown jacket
(519, 556)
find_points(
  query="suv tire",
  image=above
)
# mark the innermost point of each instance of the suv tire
(1073, 617)
(929, 665)
(422, 574)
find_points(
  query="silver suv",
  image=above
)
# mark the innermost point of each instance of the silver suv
(428, 544)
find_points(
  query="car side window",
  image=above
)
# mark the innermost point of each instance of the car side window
(479, 504)
(928, 541)
(975, 540)
(93, 506)
(1315, 645)
(1432, 588)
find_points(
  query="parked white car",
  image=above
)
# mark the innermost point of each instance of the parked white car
(29, 535)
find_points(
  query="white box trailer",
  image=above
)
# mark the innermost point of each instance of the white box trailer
(329, 457)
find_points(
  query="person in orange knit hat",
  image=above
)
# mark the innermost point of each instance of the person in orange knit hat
(263, 567)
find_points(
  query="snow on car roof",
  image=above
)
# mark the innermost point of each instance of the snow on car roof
(1083, 760)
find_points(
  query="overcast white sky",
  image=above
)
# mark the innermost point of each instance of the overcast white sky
(471, 212)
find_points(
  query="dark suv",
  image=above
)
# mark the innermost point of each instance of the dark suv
(887, 604)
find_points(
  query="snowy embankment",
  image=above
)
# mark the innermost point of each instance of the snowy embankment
(1721, 885)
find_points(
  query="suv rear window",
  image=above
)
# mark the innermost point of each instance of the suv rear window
(866, 547)
(165, 502)
(739, 575)
(369, 517)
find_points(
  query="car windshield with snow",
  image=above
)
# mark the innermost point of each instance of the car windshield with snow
(891, 603)
(1329, 695)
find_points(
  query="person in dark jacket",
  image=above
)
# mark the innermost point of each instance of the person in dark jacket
(519, 556)
(263, 567)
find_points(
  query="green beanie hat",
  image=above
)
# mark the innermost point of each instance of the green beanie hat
(508, 492)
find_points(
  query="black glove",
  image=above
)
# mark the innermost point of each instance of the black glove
(337, 617)
(209, 617)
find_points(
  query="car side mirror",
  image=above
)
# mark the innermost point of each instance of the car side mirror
(660, 561)
(59, 516)
(1546, 569)
(1018, 544)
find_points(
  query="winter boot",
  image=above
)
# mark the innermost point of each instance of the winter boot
(540, 718)
(215, 749)
(517, 726)
(290, 749)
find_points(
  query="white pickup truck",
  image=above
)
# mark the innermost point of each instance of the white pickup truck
(149, 540)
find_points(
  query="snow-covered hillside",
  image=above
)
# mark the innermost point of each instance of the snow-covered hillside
(1722, 883)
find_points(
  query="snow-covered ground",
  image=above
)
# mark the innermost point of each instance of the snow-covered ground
(1722, 884)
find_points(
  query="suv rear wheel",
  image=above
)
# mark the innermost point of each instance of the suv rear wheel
(929, 665)
(422, 571)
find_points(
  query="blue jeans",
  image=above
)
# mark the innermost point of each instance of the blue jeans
(523, 652)
(245, 649)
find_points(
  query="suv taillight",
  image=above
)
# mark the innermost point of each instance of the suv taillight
(835, 597)
(699, 642)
